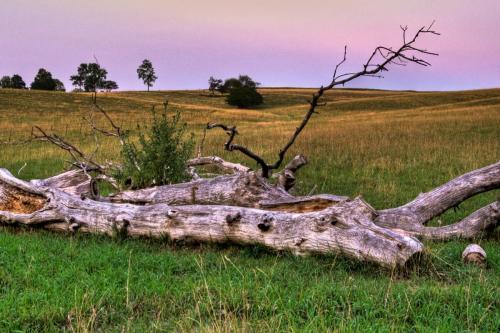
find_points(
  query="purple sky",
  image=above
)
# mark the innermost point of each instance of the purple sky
(278, 43)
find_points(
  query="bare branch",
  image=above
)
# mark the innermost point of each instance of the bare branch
(406, 53)
(81, 160)
(230, 146)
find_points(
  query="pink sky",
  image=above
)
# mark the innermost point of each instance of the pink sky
(278, 43)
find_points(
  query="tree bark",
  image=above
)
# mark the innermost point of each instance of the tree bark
(345, 227)
(249, 189)
(246, 208)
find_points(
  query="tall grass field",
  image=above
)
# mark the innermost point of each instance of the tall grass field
(387, 146)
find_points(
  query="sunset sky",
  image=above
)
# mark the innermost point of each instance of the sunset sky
(278, 43)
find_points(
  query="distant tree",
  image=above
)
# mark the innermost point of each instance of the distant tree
(230, 84)
(79, 79)
(91, 77)
(109, 85)
(43, 81)
(6, 82)
(94, 77)
(59, 85)
(214, 85)
(241, 81)
(17, 82)
(247, 81)
(244, 97)
(146, 73)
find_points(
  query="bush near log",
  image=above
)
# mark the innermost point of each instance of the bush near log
(159, 156)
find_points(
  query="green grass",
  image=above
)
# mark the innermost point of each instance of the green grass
(387, 146)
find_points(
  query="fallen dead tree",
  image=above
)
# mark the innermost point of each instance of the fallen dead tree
(269, 215)
(245, 206)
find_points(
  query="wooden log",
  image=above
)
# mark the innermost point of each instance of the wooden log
(474, 254)
(431, 204)
(219, 162)
(476, 225)
(249, 189)
(345, 227)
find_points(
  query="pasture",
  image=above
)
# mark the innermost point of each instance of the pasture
(387, 146)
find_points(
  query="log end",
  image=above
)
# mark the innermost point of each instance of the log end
(474, 254)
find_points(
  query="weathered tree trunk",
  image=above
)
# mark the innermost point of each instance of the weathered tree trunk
(431, 204)
(412, 217)
(245, 208)
(345, 227)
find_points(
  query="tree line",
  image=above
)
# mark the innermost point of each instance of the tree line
(92, 77)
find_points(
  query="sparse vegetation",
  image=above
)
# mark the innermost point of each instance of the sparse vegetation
(160, 154)
(141, 285)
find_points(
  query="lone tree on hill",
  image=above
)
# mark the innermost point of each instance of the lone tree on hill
(214, 85)
(91, 77)
(44, 81)
(146, 73)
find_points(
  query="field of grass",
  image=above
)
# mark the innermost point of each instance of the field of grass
(387, 146)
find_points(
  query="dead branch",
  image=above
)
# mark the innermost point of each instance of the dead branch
(406, 53)
(80, 159)
(433, 203)
(219, 162)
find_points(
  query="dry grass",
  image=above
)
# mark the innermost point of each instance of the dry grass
(386, 145)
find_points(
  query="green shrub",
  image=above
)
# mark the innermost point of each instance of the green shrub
(244, 97)
(159, 155)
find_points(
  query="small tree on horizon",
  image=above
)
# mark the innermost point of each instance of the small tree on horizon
(91, 77)
(109, 85)
(214, 85)
(44, 81)
(17, 82)
(14, 82)
(6, 82)
(59, 85)
(146, 73)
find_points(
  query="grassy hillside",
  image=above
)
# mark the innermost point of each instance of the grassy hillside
(387, 146)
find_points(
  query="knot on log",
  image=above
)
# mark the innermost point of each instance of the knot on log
(266, 223)
(230, 219)
(300, 241)
(333, 221)
(121, 227)
(73, 225)
(172, 213)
